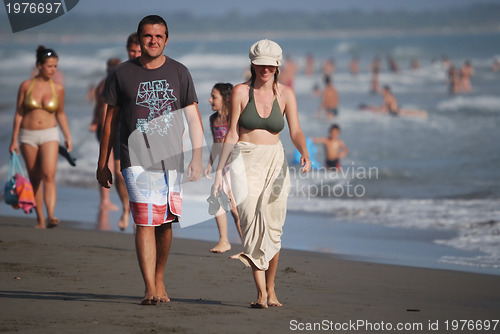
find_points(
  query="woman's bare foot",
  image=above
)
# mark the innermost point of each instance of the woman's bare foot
(149, 301)
(236, 256)
(272, 300)
(40, 225)
(53, 222)
(260, 303)
(123, 222)
(221, 247)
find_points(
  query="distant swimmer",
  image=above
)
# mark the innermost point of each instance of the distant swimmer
(495, 67)
(354, 65)
(390, 106)
(374, 83)
(465, 73)
(415, 64)
(335, 148)
(329, 67)
(375, 67)
(310, 65)
(392, 64)
(289, 71)
(329, 100)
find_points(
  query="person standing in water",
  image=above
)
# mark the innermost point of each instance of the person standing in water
(465, 73)
(96, 124)
(329, 100)
(335, 148)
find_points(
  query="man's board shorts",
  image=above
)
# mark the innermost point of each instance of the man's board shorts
(334, 164)
(332, 111)
(155, 195)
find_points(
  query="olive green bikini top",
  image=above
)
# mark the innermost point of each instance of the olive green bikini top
(30, 103)
(251, 120)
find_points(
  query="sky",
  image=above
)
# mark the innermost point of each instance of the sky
(221, 7)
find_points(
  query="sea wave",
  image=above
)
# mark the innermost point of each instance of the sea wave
(195, 61)
(479, 103)
(475, 222)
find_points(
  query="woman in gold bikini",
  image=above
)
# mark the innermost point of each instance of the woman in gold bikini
(40, 108)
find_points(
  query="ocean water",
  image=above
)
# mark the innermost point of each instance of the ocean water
(437, 174)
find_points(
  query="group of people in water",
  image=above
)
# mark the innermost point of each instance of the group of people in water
(458, 82)
(459, 78)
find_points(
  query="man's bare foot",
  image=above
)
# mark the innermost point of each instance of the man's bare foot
(163, 299)
(123, 222)
(149, 297)
(40, 225)
(162, 296)
(221, 247)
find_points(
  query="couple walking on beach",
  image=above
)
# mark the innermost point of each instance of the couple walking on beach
(148, 97)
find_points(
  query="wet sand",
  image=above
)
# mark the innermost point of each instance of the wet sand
(81, 281)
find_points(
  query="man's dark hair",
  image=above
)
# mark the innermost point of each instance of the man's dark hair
(151, 19)
(334, 126)
(133, 39)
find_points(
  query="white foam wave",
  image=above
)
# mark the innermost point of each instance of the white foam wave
(483, 103)
(483, 237)
(476, 222)
(406, 51)
(346, 48)
(17, 61)
(215, 61)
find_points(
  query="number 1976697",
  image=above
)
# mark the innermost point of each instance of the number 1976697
(33, 8)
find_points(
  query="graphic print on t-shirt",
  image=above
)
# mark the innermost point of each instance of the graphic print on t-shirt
(155, 96)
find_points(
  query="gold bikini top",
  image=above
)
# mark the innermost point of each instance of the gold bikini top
(30, 103)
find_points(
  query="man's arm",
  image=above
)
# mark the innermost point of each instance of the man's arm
(193, 118)
(103, 174)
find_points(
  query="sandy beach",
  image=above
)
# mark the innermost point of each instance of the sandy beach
(81, 281)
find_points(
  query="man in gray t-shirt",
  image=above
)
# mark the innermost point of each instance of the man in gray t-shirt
(149, 97)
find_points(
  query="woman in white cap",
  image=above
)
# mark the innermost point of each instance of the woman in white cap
(259, 170)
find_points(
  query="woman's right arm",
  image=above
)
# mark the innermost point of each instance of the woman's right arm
(18, 118)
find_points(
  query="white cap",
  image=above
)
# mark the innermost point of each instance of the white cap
(265, 52)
